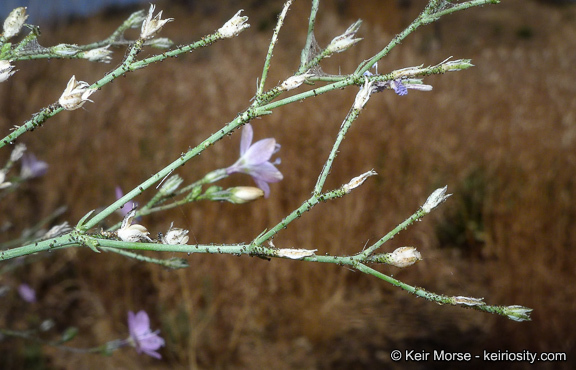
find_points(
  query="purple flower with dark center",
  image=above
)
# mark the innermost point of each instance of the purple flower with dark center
(255, 160)
(32, 167)
(27, 293)
(141, 336)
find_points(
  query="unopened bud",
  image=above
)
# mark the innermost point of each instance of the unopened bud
(14, 22)
(65, 50)
(294, 81)
(517, 313)
(437, 197)
(244, 194)
(457, 65)
(404, 257)
(295, 254)
(357, 181)
(98, 55)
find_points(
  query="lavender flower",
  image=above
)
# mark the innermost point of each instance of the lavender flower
(128, 206)
(141, 337)
(27, 293)
(32, 167)
(399, 88)
(255, 160)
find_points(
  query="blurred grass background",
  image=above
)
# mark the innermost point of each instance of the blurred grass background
(501, 135)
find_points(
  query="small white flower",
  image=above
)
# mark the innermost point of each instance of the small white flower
(152, 25)
(294, 81)
(295, 254)
(404, 257)
(437, 197)
(363, 95)
(175, 236)
(75, 94)
(234, 26)
(132, 233)
(6, 70)
(14, 22)
(98, 55)
(357, 181)
(344, 41)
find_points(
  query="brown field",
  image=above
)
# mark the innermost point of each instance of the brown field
(501, 135)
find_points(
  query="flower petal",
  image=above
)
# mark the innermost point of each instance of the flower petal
(246, 140)
(260, 152)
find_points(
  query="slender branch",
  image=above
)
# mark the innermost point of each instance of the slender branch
(281, 18)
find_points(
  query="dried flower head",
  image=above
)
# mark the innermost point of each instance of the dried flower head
(364, 94)
(234, 26)
(14, 22)
(6, 70)
(175, 236)
(345, 40)
(152, 25)
(75, 94)
(132, 233)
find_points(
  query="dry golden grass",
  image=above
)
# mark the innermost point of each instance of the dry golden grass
(502, 136)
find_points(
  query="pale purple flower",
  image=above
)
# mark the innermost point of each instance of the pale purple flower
(128, 206)
(32, 167)
(27, 293)
(399, 88)
(143, 339)
(255, 160)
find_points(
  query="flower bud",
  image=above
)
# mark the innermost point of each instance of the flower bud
(294, 82)
(14, 22)
(457, 65)
(295, 254)
(151, 26)
(244, 194)
(98, 55)
(6, 70)
(437, 197)
(234, 26)
(517, 313)
(65, 50)
(75, 94)
(404, 257)
(357, 181)
(171, 184)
